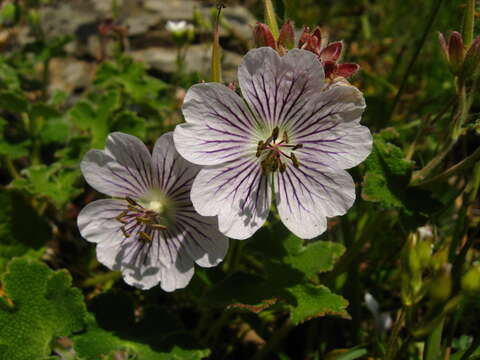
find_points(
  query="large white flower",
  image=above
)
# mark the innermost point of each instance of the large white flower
(292, 131)
(149, 230)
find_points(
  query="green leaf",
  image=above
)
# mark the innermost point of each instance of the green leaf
(13, 101)
(315, 301)
(128, 122)
(22, 231)
(97, 116)
(388, 176)
(158, 336)
(316, 257)
(8, 76)
(52, 182)
(39, 305)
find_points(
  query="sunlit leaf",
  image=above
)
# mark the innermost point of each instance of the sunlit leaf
(38, 305)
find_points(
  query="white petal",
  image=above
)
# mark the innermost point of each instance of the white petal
(237, 192)
(173, 174)
(174, 277)
(122, 169)
(98, 218)
(219, 126)
(372, 304)
(202, 239)
(329, 130)
(308, 195)
(279, 87)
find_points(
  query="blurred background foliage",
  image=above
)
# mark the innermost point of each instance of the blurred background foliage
(398, 277)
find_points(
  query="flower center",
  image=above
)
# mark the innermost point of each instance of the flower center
(150, 216)
(274, 151)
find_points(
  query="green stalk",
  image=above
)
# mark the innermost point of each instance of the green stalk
(12, 170)
(462, 165)
(271, 19)
(434, 341)
(414, 58)
(469, 24)
(216, 50)
(102, 278)
(392, 341)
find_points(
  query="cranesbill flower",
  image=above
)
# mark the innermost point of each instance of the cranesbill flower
(149, 230)
(292, 132)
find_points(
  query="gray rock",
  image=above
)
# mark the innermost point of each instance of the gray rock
(197, 59)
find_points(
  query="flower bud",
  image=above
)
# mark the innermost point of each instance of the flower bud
(441, 285)
(287, 35)
(263, 36)
(453, 51)
(471, 65)
(347, 70)
(471, 280)
(332, 52)
(456, 52)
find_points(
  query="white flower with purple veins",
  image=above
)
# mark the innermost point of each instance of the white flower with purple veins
(292, 132)
(149, 230)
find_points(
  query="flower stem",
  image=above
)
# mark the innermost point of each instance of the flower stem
(469, 24)
(462, 165)
(271, 19)
(12, 170)
(413, 60)
(433, 343)
(392, 341)
(102, 278)
(216, 50)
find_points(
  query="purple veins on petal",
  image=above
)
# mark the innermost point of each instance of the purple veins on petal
(292, 129)
(140, 233)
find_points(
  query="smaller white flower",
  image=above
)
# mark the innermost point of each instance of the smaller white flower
(178, 26)
(149, 230)
(383, 321)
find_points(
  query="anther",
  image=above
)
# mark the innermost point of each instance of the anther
(283, 167)
(125, 233)
(131, 201)
(120, 217)
(294, 160)
(275, 133)
(298, 146)
(285, 137)
(158, 226)
(144, 237)
(144, 219)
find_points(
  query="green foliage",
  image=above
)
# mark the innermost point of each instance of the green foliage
(22, 231)
(54, 183)
(387, 178)
(158, 336)
(289, 268)
(38, 305)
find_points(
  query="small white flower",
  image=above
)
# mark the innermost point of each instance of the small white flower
(292, 132)
(383, 321)
(149, 230)
(178, 26)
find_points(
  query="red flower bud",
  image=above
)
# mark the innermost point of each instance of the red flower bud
(347, 70)
(456, 52)
(332, 52)
(286, 38)
(304, 37)
(263, 36)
